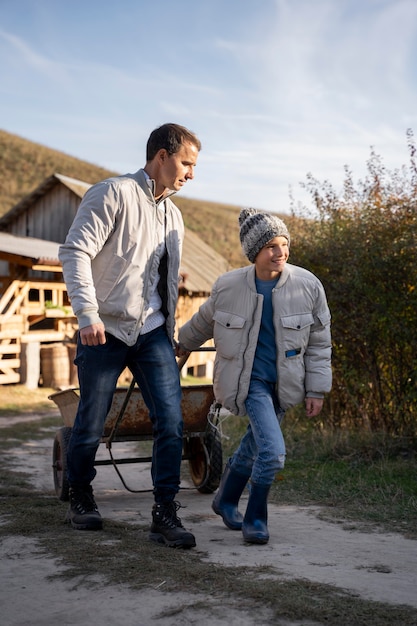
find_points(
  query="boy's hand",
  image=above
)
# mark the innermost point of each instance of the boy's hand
(313, 406)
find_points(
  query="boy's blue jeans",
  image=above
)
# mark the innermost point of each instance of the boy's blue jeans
(154, 367)
(261, 452)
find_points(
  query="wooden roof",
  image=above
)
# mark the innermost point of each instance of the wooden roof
(200, 264)
(30, 252)
(79, 187)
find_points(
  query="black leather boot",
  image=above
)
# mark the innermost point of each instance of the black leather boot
(254, 526)
(83, 512)
(167, 528)
(227, 498)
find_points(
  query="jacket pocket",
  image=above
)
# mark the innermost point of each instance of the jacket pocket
(107, 277)
(297, 322)
(227, 333)
(296, 333)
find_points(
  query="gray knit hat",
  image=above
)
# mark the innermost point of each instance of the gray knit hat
(257, 228)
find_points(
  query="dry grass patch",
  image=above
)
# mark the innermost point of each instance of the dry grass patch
(122, 554)
(18, 399)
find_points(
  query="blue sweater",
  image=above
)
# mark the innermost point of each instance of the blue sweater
(264, 365)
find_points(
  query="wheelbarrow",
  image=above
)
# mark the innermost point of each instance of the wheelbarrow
(128, 420)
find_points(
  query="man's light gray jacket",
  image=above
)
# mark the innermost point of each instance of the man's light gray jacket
(109, 257)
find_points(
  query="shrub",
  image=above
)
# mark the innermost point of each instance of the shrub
(362, 246)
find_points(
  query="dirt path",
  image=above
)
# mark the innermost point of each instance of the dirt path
(379, 567)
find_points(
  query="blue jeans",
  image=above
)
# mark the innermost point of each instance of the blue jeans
(261, 452)
(152, 363)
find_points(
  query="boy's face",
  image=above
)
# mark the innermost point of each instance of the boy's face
(271, 259)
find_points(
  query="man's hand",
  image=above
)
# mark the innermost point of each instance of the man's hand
(93, 335)
(180, 351)
(313, 406)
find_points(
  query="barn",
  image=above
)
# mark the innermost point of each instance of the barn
(37, 324)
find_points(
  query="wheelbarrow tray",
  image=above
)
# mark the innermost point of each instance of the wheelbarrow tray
(135, 423)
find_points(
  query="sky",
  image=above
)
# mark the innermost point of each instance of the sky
(275, 89)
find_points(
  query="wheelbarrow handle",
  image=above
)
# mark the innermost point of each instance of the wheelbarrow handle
(182, 360)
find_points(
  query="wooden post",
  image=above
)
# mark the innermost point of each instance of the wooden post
(30, 364)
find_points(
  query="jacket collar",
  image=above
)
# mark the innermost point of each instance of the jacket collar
(250, 276)
(148, 185)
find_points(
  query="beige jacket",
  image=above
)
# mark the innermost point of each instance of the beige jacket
(232, 316)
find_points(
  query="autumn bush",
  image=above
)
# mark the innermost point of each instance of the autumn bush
(362, 245)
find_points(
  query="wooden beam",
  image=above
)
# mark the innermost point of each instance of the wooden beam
(43, 335)
(9, 377)
(47, 268)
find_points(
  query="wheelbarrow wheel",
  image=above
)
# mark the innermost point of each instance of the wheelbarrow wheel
(205, 460)
(59, 462)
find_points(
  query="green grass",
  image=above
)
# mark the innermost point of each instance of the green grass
(366, 479)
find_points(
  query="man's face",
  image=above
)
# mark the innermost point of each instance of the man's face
(176, 169)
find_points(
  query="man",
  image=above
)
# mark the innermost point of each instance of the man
(271, 326)
(121, 263)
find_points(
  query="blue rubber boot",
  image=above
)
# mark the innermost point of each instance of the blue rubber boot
(227, 498)
(254, 526)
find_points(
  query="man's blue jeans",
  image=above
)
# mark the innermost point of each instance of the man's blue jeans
(152, 363)
(261, 452)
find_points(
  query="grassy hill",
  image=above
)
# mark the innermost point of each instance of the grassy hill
(25, 164)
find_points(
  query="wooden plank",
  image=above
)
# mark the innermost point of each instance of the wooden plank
(9, 348)
(15, 318)
(48, 268)
(10, 334)
(12, 330)
(9, 377)
(43, 335)
(10, 345)
(59, 313)
(34, 309)
(9, 363)
(12, 325)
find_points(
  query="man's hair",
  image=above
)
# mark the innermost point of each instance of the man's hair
(169, 137)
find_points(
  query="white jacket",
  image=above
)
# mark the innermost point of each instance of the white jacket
(232, 315)
(109, 257)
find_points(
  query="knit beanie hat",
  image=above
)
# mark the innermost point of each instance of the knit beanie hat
(257, 228)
